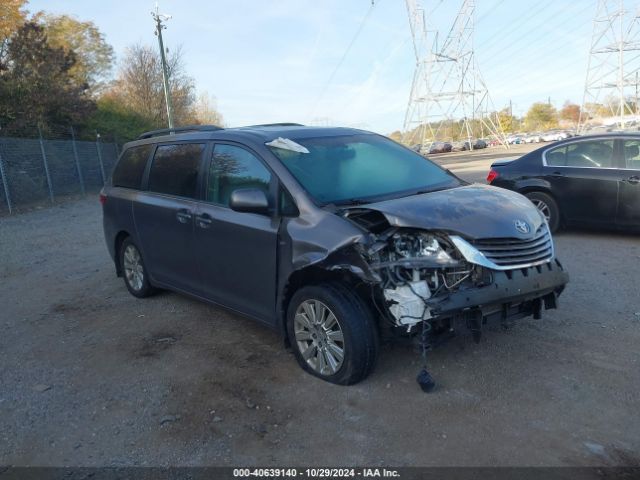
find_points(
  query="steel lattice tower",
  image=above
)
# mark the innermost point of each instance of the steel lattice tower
(447, 86)
(614, 62)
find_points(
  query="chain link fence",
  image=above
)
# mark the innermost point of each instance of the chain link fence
(44, 164)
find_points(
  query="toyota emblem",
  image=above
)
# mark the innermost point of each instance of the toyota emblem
(522, 226)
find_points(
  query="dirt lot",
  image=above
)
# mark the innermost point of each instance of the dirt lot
(91, 376)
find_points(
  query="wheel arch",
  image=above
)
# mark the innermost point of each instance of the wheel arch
(317, 275)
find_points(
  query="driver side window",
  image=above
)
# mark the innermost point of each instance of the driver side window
(233, 168)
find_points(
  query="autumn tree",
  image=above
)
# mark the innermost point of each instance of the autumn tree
(541, 116)
(12, 16)
(36, 86)
(205, 110)
(139, 85)
(570, 112)
(507, 121)
(94, 56)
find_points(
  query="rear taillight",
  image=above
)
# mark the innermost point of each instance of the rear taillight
(103, 199)
(492, 175)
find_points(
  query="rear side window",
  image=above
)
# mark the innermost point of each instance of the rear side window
(632, 154)
(233, 168)
(129, 170)
(589, 154)
(174, 170)
(556, 157)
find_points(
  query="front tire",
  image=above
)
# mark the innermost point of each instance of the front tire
(548, 207)
(333, 334)
(134, 271)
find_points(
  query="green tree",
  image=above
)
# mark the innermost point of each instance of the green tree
(36, 86)
(113, 117)
(541, 116)
(94, 56)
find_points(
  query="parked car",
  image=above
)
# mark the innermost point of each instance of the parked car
(532, 138)
(555, 135)
(480, 144)
(331, 236)
(440, 147)
(515, 139)
(459, 146)
(583, 180)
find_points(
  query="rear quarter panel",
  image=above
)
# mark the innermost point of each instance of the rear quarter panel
(117, 216)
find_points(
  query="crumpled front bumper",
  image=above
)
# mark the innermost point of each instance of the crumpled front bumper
(533, 288)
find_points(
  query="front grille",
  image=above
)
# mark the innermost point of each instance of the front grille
(514, 252)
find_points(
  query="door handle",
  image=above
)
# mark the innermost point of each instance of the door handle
(183, 216)
(204, 221)
(634, 180)
(557, 174)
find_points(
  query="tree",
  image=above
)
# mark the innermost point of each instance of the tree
(541, 116)
(36, 86)
(112, 116)
(139, 85)
(507, 121)
(205, 111)
(570, 112)
(12, 16)
(94, 56)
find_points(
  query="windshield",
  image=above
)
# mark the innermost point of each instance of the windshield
(360, 168)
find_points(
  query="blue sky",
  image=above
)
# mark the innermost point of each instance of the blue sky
(270, 61)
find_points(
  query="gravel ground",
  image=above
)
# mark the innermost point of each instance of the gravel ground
(91, 376)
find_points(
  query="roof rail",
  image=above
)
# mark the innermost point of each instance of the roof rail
(283, 124)
(186, 128)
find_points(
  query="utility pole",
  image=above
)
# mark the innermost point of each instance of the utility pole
(510, 115)
(159, 18)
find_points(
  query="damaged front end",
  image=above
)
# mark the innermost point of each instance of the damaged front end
(430, 282)
(427, 282)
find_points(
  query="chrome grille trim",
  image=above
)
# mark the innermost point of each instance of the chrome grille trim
(508, 253)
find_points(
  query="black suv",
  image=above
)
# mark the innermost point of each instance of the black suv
(332, 236)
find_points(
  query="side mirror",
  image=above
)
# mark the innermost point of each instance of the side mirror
(250, 200)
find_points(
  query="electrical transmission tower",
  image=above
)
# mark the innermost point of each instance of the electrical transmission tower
(614, 63)
(449, 98)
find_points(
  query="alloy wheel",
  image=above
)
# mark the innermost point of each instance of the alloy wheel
(319, 337)
(133, 269)
(543, 208)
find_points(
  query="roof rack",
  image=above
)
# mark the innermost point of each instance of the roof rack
(283, 124)
(186, 128)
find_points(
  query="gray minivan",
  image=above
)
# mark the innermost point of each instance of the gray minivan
(332, 236)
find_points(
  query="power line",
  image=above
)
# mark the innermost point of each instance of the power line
(344, 56)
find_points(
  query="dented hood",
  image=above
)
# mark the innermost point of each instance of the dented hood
(473, 211)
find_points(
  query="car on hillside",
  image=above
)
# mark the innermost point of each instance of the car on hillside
(587, 180)
(333, 237)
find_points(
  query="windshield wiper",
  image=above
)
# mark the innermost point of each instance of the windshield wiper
(353, 201)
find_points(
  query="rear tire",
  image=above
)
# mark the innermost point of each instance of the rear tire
(134, 271)
(548, 207)
(333, 334)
